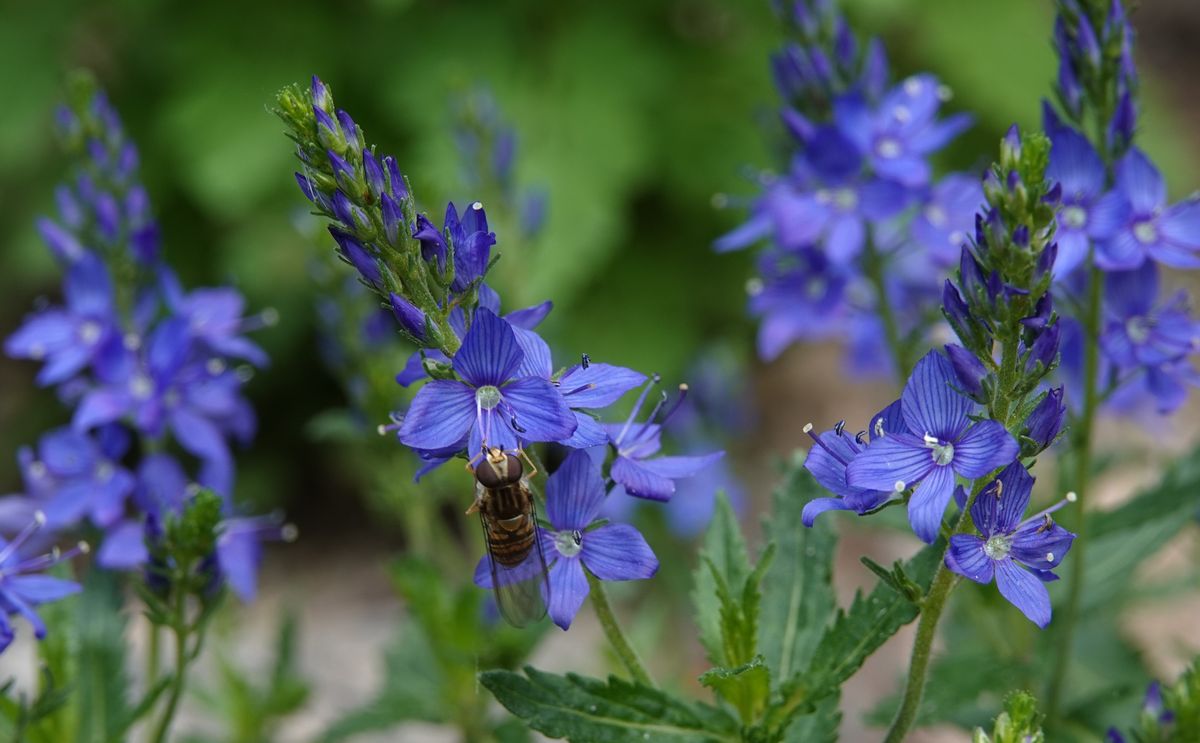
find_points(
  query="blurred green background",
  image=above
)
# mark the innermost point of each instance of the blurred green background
(632, 114)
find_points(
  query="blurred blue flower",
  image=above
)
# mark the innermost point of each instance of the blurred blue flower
(1143, 225)
(239, 550)
(1019, 555)
(942, 226)
(22, 585)
(75, 476)
(68, 339)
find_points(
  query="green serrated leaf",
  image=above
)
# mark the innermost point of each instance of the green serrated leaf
(589, 710)
(723, 554)
(798, 599)
(819, 726)
(745, 687)
(854, 635)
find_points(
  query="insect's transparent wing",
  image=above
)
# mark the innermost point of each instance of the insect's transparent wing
(522, 590)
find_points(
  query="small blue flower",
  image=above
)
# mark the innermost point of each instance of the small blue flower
(23, 587)
(574, 495)
(494, 404)
(899, 134)
(832, 454)
(1085, 216)
(800, 297)
(69, 339)
(75, 476)
(1139, 336)
(1007, 543)
(944, 442)
(1046, 421)
(636, 468)
(216, 319)
(945, 220)
(1145, 226)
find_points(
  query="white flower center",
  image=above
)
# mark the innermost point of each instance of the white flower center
(997, 547)
(942, 451)
(936, 215)
(141, 387)
(1074, 217)
(1145, 231)
(568, 543)
(487, 396)
(1138, 328)
(89, 332)
(845, 198)
(888, 147)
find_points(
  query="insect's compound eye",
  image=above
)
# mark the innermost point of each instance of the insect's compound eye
(489, 475)
(515, 470)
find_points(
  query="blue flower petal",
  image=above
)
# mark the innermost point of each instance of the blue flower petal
(101, 405)
(895, 458)
(124, 547)
(1121, 252)
(441, 414)
(1075, 164)
(678, 467)
(1039, 547)
(929, 502)
(574, 492)
(599, 385)
(1180, 224)
(967, 558)
(983, 448)
(818, 506)
(529, 317)
(541, 413)
(588, 432)
(640, 481)
(40, 589)
(931, 405)
(618, 552)
(537, 361)
(490, 353)
(568, 589)
(1141, 182)
(1024, 591)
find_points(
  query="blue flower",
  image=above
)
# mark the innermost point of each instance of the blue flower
(899, 134)
(215, 319)
(1084, 217)
(945, 220)
(574, 495)
(494, 404)
(75, 476)
(636, 468)
(944, 442)
(23, 587)
(800, 297)
(69, 339)
(1139, 336)
(831, 455)
(1144, 226)
(471, 240)
(239, 550)
(162, 384)
(1019, 555)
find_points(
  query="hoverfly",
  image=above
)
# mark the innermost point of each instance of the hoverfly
(506, 509)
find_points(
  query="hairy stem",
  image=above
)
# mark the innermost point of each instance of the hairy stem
(614, 633)
(1082, 445)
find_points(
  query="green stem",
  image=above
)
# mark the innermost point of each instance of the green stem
(891, 329)
(616, 637)
(932, 607)
(1082, 484)
(182, 658)
(152, 648)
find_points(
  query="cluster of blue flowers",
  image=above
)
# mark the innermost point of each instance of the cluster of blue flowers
(1115, 211)
(972, 414)
(148, 368)
(489, 379)
(857, 225)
